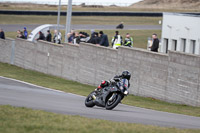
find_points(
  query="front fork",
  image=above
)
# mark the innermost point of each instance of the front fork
(113, 96)
(94, 97)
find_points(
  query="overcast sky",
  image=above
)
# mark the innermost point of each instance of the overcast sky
(101, 2)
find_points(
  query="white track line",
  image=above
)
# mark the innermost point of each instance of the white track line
(45, 88)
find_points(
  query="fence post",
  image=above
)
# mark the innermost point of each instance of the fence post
(12, 53)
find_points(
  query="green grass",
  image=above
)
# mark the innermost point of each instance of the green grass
(96, 20)
(23, 120)
(139, 36)
(44, 80)
(82, 89)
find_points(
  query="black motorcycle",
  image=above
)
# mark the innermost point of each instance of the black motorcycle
(108, 97)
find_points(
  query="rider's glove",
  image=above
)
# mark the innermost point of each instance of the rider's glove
(126, 92)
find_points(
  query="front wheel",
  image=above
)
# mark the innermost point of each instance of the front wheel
(113, 101)
(89, 100)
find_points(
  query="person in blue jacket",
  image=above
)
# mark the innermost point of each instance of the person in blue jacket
(25, 33)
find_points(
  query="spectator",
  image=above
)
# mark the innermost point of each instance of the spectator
(120, 26)
(84, 37)
(20, 34)
(116, 40)
(41, 36)
(103, 39)
(155, 44)
(2, 35)
(58, 37)
(95, 39)
(76, 39)
(48, 37)
(71, 36)
(92, 38)
(25, 33)
(128, 41)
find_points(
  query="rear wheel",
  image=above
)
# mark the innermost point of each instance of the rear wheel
(89, 100)
(113, 101)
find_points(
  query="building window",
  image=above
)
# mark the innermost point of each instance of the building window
(183, 45)
(174, 45)
(192, 46)
(166, 41)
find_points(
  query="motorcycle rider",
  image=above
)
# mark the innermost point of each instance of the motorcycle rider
(124, 79)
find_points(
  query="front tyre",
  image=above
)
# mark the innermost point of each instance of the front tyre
(113, 102)
(89, 100)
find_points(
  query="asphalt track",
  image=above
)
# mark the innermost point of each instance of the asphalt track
(15, 27)
(20, 94)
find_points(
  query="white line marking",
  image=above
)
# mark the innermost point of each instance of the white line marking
(38, 86)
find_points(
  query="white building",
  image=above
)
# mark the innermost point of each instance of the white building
(181, 32)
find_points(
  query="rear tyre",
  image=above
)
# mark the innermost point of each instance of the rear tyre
(114, 102)
(89, 100)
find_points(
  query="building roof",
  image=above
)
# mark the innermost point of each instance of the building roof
(182, 14)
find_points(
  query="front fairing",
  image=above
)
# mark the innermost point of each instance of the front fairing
(105, 92)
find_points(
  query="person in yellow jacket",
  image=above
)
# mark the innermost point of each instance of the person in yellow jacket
(128, 41)
(116, 40)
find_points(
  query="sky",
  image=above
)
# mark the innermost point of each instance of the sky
(77, 2)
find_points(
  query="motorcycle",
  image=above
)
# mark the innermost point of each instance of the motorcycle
(108, 97)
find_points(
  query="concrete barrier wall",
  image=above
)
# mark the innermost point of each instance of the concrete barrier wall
(183, 79)
(149, 71)
(5, 50)
(174, 77)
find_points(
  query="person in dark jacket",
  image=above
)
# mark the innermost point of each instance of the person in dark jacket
(104, 39)
(48, 37)
(2, 35)
(155, 44)
(97, 39)
(41, 36)
(92, 38)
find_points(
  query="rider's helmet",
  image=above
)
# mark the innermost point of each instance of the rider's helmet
(126, 75)
(104, 83)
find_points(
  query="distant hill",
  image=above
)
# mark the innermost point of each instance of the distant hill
(168, 4)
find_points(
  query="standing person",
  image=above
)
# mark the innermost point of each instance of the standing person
(41, 36)
(103, 39)
(116, 40)
(25, 33)
(59, 37)
(128, 41)
(2, 35)
(48, 37)
(155, 44)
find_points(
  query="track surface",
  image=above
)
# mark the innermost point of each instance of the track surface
(21, 94)
(15, 27)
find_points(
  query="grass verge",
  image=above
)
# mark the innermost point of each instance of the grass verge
(82, 89)
(96, 20)
(23, 120)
